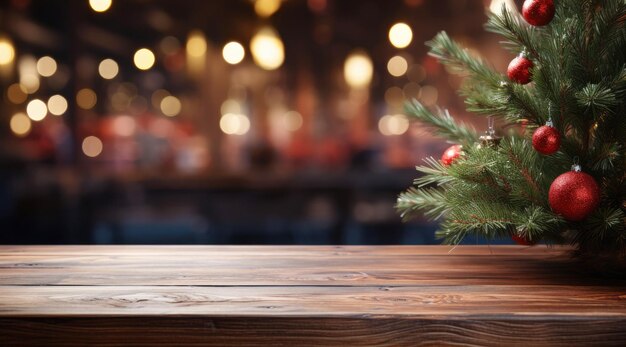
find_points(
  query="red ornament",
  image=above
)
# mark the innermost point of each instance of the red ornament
(546, 139)
(574, 195)
(538, 12)
(519, 69)
(520, 240)
(450, 155)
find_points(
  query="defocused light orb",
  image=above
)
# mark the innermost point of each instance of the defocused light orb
(358, 70)
(234, 124)
(429, 95)
(100, 5)
(92, 146)
(266, 8)
(36, 110)
(7, 51)
(267, 49)
(233, 52)
(157, 97)
(144, 59)
(86, 98)
(124, 125)
(108, 69)
(16, 93)
(400, 35)
(46, 66)
(390, 125)
(57, 105)
(397, 66)
(230, 106)
(196, 44)
(30, 83)
(20, 124)
(292, 120)
(170, 106)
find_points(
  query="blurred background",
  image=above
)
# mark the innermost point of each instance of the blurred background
(222, 122)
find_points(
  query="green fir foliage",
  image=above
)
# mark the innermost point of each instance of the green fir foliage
(579, 81)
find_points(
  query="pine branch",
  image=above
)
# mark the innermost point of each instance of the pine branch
(519, 37)
(430, 201)
(442, 123)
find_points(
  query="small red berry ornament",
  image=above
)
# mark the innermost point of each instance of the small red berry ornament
(519, 69)
(523, 241)
(538, 12)
(574, 195)
(451, 154)
(546, 139)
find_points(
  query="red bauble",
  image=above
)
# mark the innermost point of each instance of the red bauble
(538, 12)
(520, 240)
(574, 195)
(450, 155)
(519, 69)
(546, 140)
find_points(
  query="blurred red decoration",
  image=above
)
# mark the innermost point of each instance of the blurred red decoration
(538, 12)
(546, 140)
(451, 154)
(519, 69)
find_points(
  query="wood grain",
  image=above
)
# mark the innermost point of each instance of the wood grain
(320, 295)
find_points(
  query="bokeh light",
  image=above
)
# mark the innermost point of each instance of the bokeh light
(46, 66)
(16, 93)
(292, 120)
(36, 110)
(233, 52)
(7, 51)
(100, 5)
(267, 49)
(170, 106)
(266, 8)
(108, 69)
(397, 66)
(20, 124)
(57, 105)
(196, 44)
(86, 98)
(400, 35)
(390, 125)
(230, 106)
(358, 70)
(144, 59)
(234, 124)
(92, 146)
(124, 125)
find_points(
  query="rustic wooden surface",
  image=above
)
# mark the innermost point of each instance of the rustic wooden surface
(301, 296)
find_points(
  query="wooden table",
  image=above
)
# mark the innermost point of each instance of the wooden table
(299, 296)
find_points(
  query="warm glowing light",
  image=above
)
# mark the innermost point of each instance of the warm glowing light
(108, 69)
(292, 120)
(36, 110)
(429, 95)
(231, 106)
(7, 52)
(496, 5)
(92, 146)
(46, 66)
(196, 44)
(358, 70)
(234, 124)
(30, 83)
(400, 35)
(100, 5)
(397, 66)
(390, 125)
(266, 8)
(20, 124)
(144, 59)
(170, 106)
(57, 105)
(124, 126)
(233, 52)
(16, 93)
(267, 49)
(86, 98)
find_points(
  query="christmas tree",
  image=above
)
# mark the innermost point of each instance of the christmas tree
(557, 174)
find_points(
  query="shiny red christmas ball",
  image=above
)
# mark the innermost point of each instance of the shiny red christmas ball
(546, 140)
(538, 12)
(519, 69)
(450, 155)
(574, 195)
(520, 240)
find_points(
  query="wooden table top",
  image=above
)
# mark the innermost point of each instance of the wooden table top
(508, 292)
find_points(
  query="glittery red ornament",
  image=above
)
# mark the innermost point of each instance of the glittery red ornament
(519, 69)
(574, 195)
(546, 139)
(520, 240)
(538, 12)
(450, 155)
